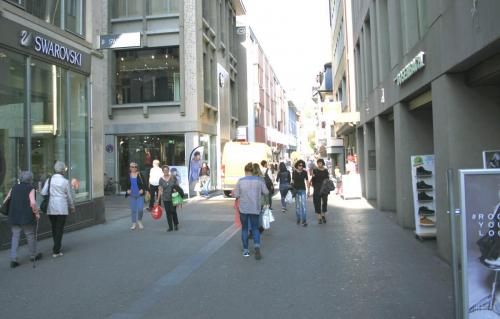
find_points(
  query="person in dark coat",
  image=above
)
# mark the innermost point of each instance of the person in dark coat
(23, 214)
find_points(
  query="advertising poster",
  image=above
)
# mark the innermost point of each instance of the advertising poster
(491, 159)
(181, 173)
(480, 209)
(195, 160)
(423, 181)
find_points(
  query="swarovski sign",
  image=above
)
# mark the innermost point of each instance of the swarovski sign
(50, 48)
(411, 68)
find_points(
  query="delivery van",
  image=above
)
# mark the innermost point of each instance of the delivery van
(234, 158)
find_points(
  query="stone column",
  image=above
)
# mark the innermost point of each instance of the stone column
(386, 174)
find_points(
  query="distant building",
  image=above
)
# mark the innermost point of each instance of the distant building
(262, 94)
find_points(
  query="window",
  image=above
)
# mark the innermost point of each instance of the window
(157, 7)
(74, 16)
(79, 143)
(207, 79)
(12, 128)
(48, 118)
(143, 149)
(414, 22)
(127, 8)
(49, 11)
(150, 75)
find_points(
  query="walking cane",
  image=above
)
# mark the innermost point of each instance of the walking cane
(36, 240)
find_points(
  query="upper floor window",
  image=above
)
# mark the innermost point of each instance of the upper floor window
(127, 8)
(157, 7)
(147, 75)
(71, 18)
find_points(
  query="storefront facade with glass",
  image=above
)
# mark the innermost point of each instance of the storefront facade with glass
(45, 109)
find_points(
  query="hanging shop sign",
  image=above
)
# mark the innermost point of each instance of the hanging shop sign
(480, 241)
(410, 69)
(424, 193)
(123, 40)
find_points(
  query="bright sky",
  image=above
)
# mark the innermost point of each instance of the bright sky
(295, 37)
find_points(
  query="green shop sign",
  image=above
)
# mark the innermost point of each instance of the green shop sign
(411, 68)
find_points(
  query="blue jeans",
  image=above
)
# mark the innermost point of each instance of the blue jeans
(254, 221)
(300, 206)
(29, 232)
(206, 186)
(136, 204)
(284, 191)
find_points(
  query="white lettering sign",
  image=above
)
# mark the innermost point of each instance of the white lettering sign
(411, 68)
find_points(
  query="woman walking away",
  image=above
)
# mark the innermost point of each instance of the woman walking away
(61, 200)
(320, 201)
(284, 180)
(23, 215)
(135, 189)
(167, 182)
(205, 178)
(300, 182)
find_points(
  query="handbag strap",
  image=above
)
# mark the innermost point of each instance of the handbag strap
(48, 191)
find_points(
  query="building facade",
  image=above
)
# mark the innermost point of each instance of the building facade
(427, 82)
(51, 98)
(177, 90)
(261, 95)
(343, 81)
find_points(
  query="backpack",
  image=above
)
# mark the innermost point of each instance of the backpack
(269, 182)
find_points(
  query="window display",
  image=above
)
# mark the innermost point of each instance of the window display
(423, 195)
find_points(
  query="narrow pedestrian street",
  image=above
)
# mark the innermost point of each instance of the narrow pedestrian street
(361, 264)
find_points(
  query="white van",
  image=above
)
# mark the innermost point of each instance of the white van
(234, 158)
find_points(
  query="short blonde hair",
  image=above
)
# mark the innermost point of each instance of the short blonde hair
(156, 162)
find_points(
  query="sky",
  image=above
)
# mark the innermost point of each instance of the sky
(295, 37)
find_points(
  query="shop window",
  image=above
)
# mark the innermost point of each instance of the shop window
(144, 149)
(12, 129)
(157, 7)
(127, 8)
(150, 75)
(74, 16)
(48, 118)
(79, 145)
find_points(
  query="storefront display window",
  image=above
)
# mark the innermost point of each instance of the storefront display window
(150, 75)
(143, 149)
(79, 168)
(48, 118)
(12, 113)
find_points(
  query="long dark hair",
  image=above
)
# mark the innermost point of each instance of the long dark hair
(282, 167)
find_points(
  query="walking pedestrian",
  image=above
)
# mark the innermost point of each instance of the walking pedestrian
(155, 173)
(249, 191)
(23, 216)
(167, 182)
(320, 174)
(284, 179)
(204, 178)
(268, 178)
(60, 202)
(300, 182)
(135, 190)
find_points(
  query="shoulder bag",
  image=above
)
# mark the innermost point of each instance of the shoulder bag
(45, 202)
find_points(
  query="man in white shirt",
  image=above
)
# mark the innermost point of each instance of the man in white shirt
(154, 181)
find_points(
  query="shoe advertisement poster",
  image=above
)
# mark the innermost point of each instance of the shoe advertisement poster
(480, 211)
(423, 195)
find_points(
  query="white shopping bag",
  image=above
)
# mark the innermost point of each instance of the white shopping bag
(289, 197)
(267, 218)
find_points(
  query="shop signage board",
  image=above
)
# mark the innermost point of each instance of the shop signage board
(410, 69)
(480, 215)
(123, 40)
(424, 193)
(491, 159)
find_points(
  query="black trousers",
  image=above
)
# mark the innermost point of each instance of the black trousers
(320, 203)
(171, 214)
(57, 222)
(153, 191)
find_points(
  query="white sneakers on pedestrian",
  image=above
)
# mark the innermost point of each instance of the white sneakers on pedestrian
(57, 255)
(133, 226)
(141, 226)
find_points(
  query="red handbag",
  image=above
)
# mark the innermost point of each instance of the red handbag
(156, 212)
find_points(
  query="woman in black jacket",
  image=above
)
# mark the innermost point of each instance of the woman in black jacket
(284, 180)
(23, 214)
(135, 189)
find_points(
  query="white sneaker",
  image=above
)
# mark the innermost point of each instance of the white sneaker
(133, 226)
(141, 226)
